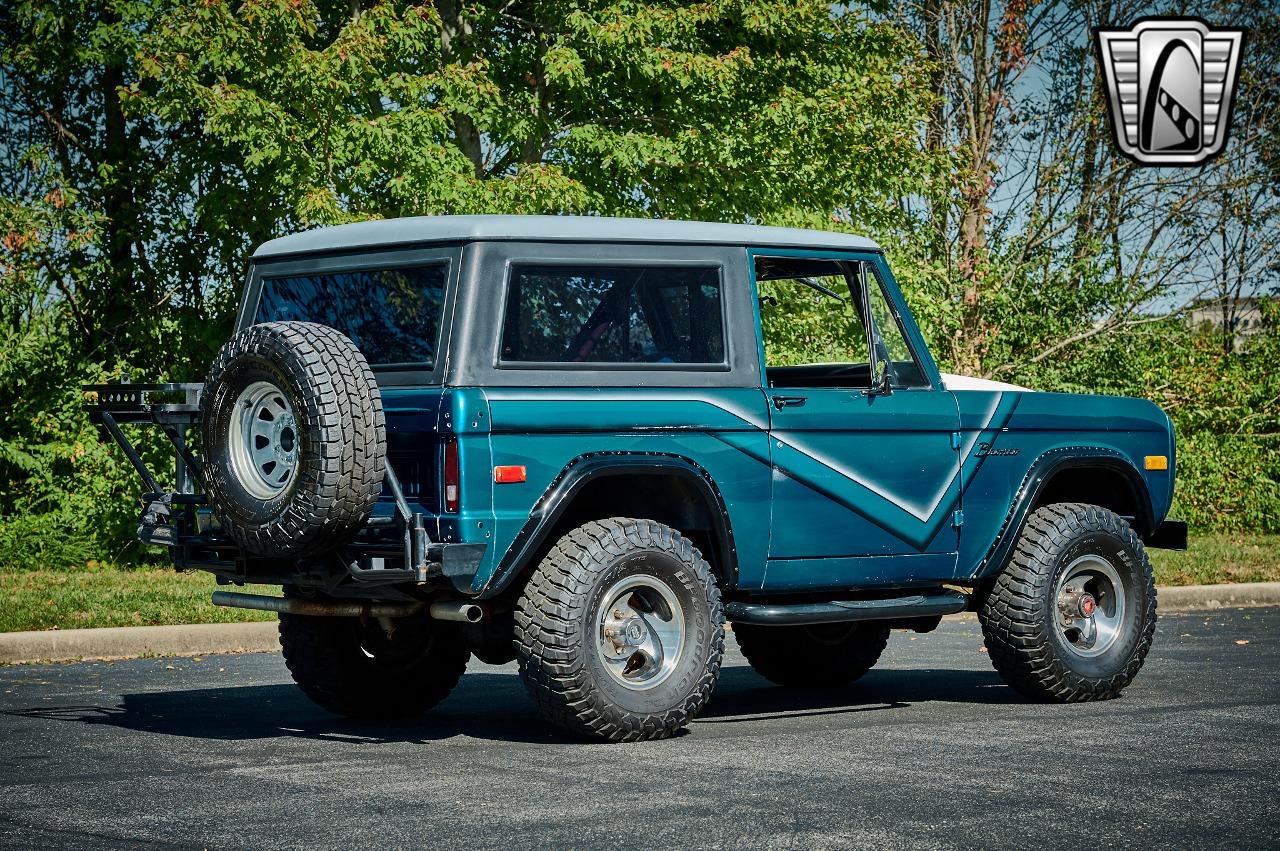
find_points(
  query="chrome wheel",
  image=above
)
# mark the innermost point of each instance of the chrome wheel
(264, 441)
(1091, 605)
(640, 632)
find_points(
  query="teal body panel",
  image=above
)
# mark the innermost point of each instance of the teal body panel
(723, 431)
(864, 495)
(864, 475)
(1007, 433)
(864, 488)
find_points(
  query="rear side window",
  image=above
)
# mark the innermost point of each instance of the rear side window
(392, 315)
(613, 314)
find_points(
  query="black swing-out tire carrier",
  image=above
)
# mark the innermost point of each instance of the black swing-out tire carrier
(183, 520)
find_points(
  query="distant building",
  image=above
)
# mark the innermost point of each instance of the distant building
(1243, 316)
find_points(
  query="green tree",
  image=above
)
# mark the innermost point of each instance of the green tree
(771, 111)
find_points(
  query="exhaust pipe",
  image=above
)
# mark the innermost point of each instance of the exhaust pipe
(316, 608)
(459, 612)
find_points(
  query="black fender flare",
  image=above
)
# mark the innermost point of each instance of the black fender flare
(590, 467)
(1040, 474)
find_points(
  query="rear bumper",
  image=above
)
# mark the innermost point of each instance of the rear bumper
(390, 549)
(1169, 535)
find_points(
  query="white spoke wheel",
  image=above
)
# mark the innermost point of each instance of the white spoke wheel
(1072, 616)
(620, 631)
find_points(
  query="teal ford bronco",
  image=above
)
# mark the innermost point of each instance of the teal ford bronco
(582, 444)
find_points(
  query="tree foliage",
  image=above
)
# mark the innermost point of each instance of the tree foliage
(150, 144)
(768, 110)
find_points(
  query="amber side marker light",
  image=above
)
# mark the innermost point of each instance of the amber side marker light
(1156, 462)
(509, 474)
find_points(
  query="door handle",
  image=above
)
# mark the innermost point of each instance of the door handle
(781, 402)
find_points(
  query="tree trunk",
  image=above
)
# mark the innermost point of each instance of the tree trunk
(982, 105)
(454, 33)
(117, 306)
(1094, 128)
(936, 130)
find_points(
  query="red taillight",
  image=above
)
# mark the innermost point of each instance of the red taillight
(451, 476)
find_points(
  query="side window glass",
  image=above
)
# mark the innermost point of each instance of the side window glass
(814, 333)
(392, 315)
(808, 314)
(904, 370)
(613, 314)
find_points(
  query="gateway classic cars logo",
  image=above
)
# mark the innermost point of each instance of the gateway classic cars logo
(1170, 85)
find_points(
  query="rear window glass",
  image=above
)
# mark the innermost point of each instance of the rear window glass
(613, 314)
(392, 315)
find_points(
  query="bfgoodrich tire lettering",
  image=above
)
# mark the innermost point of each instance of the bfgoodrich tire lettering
(559, 632)
(340, 432)
(1023, 614)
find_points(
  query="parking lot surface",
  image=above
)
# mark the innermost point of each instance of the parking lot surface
(930, 750)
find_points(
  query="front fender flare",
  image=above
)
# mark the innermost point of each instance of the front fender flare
(1041, 472)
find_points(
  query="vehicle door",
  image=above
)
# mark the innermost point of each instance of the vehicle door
(865, 469)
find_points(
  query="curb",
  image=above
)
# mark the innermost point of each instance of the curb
(71, 645)
(1185, 598)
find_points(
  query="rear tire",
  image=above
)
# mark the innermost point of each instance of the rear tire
(1072, 616)
(354, 669)
(620, 631)
(812, 656)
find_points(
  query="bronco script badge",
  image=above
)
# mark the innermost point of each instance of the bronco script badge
(1170, 83)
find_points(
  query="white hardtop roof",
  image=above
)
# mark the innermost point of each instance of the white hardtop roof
(387, 233)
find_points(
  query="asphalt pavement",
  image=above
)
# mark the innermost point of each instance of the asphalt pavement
(930, 750)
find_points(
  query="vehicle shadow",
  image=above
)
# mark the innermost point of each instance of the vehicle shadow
(495, 706)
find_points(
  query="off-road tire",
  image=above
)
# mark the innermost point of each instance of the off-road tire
(556, 632)
(340, 433)
(812, 656)
(1018, 612)
(401, 679)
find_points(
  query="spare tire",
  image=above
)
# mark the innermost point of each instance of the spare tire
(294, 438)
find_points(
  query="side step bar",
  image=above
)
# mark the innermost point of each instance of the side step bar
(788, 614)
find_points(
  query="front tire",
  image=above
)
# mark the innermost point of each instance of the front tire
(357, 669)
(620, 631)
(1072, 616)
(812, 656)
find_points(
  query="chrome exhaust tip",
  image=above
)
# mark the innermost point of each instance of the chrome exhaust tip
(457, 611)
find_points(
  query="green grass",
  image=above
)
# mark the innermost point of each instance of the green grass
(107, 596)
(1212, 559)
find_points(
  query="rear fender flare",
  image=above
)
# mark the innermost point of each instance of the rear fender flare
(585, 469)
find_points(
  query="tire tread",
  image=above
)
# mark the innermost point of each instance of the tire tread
(550, 648)
(1018, 638)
